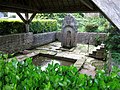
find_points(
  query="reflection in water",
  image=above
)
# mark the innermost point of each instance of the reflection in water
(44, 61)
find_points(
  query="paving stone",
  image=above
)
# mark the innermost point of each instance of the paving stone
(89, 67)
(78, 54)
(88, 72)
(66, 55)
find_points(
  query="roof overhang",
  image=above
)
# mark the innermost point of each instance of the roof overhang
(47, 6)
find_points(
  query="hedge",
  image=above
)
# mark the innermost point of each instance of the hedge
(91, 28)
(17, 26)
(11, 27)
(39, 26)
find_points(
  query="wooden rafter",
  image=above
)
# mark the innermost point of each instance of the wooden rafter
(21, 17)
(26, 20)
(42, 1)
(52, 3)
(38, 4)
(46, 6)
(87, 3)
(10, 5)
(31, 18)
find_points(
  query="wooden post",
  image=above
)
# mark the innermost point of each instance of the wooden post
(26, 20)
(109, 60)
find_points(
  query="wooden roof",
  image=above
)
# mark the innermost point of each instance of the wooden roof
(109, 8)
(47, 6)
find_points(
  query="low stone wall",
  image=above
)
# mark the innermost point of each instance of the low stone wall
(85, 37)
(15, 42)
(18, 42)
(43, 38)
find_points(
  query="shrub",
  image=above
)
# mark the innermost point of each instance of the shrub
(16, 26)
(39, 26)
(24, 75)
(116, 58)
(113, 44)
(97, 40)
(113, 41)
(11, 27)
(91, 27)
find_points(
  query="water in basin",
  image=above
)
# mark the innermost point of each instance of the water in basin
(44, 61)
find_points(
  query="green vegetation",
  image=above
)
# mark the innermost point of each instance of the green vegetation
(17, 26)
(113, 44)
(24, 75)
(40, 26)
(47, 22)
(85, 24)
(100, 24)
(11, 27)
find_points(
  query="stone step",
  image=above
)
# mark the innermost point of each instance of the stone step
(101, 49)
(98, 52)
(94, 52)
(95, 49)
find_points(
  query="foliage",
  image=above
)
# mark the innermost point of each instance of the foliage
(24, 75)
(91, 28)
(96, 24)
(113, 44)
(116, 57)
(11, 26)
(39, 26)
(85, 24)
(17, 26)
(97, 40)
(113, 41)
(57, 16)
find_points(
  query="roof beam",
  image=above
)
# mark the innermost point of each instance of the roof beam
(10, 5)
(42, 6)
(21, 17)
(31, 18)
(26, 20)
(87, 3)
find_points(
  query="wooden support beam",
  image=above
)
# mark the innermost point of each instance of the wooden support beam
(31, 18)
(26, 20)
(21, 17)
(87, 3)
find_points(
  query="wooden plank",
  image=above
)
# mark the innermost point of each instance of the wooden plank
(111, 9)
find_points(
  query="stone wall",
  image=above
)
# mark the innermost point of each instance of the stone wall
(43, 38)
(16, 42)
(85, 37)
